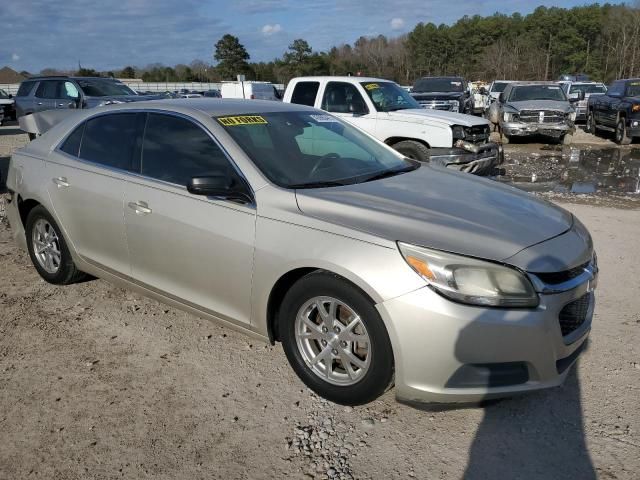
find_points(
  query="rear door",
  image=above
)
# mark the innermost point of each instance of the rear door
(45, 96)
(67, 95)
(88, 175)
(196, 249)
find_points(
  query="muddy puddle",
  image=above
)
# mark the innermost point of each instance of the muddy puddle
(573, 170)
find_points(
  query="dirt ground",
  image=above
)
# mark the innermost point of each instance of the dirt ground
(99, 383)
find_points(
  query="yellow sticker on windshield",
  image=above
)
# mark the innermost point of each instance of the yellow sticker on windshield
(371, 86)
(242, 120)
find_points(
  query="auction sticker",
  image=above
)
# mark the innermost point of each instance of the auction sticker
(242, 120)
(371, 86)
(324, 119)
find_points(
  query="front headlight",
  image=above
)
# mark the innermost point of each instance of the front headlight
(572, 116)
(470, 281)
(509, 117)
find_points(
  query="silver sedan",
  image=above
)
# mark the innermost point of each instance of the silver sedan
(286, 223)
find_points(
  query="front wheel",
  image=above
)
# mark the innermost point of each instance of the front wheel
(335, 339)
(621, 132)
(412, 149)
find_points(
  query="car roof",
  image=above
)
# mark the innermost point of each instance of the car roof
(343, 78)
(211, 106)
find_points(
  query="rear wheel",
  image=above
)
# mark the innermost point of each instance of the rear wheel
(48, 249)
(335, 340)
(621, 136)
(412, 149)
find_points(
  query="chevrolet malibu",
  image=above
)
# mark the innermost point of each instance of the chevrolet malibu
(289, 224)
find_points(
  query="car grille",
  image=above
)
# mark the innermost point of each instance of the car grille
(574, 314)
(541, 116)
(477, 135)
(555, 278)
(447, 105)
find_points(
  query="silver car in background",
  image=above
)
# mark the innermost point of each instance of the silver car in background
(289, 224)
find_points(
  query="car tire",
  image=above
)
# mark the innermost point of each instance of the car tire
(414, 150)
(590, 126)
(317, 343)
(54, 263)
(621, 137)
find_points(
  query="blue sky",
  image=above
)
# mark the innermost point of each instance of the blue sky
(110, 34)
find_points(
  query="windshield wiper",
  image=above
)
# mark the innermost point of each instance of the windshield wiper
(391, 173)
(317, 184)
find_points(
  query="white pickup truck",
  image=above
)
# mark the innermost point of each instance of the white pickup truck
(386, 111)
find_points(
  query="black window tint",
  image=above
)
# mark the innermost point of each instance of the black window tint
(110, 140)
(617, 88)
(305, 93)
(25, 89)
(175, 150)
(72, 144)
(342, 97)
(47, 89)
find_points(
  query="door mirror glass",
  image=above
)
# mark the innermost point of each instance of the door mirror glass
(501, 98)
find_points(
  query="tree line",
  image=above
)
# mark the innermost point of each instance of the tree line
(600, 40)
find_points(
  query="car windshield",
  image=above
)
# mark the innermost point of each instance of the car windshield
(499, 87)
(524, 93)
(307, 149)
(104, 88)
(633, 89)
(587, 88)
(387, 96)
(3, 94)
(438, 85)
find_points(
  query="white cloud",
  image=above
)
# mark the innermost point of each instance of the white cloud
(15, 57)
(269, 30)
(397, 23)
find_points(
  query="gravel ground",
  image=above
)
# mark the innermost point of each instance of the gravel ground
(97, 382)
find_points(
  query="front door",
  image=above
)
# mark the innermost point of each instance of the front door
(196, 249)
(343, 100)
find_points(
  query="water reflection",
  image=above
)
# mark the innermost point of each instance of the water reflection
(576, 170)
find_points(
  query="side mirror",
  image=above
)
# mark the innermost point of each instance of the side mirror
(501, 98)
(483, 91)
(218, 186)
(357, 108)
(10, 96)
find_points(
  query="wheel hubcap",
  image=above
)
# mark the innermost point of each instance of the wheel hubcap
(46, 246)
(333, 341)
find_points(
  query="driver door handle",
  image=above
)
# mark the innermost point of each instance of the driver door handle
(61, 182)
(140, 207)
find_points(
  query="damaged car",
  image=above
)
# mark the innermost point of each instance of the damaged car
(527, 109)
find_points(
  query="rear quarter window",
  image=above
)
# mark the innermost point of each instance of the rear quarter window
(25, 89)
(304, 93)
(71, 145)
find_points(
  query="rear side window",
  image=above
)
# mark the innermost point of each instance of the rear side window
(48, 89)
(304, 93)
(72, 144)
(25, 89)
(111, 140)
(175, 150)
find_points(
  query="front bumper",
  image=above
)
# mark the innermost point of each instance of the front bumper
(479, 160)
(522, 129)
(453, 353)
(633, 126)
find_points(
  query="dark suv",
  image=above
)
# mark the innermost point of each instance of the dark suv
(37, 94)
(617, 111)
(443, 93)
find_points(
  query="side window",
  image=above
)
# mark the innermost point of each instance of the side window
(175, 150)
(25, 89)
(72, 144)
(110, 140)
(342, 97)
(47, 89)
(617, 88)
(304, 93)
(69, 91)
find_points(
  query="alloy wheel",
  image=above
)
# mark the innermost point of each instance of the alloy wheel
(333, 341)
(46, 246)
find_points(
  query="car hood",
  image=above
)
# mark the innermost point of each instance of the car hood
(6, 101)
(441, 209)
(450, 118)
(122, 98)
(437, 95)
(542, 105)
